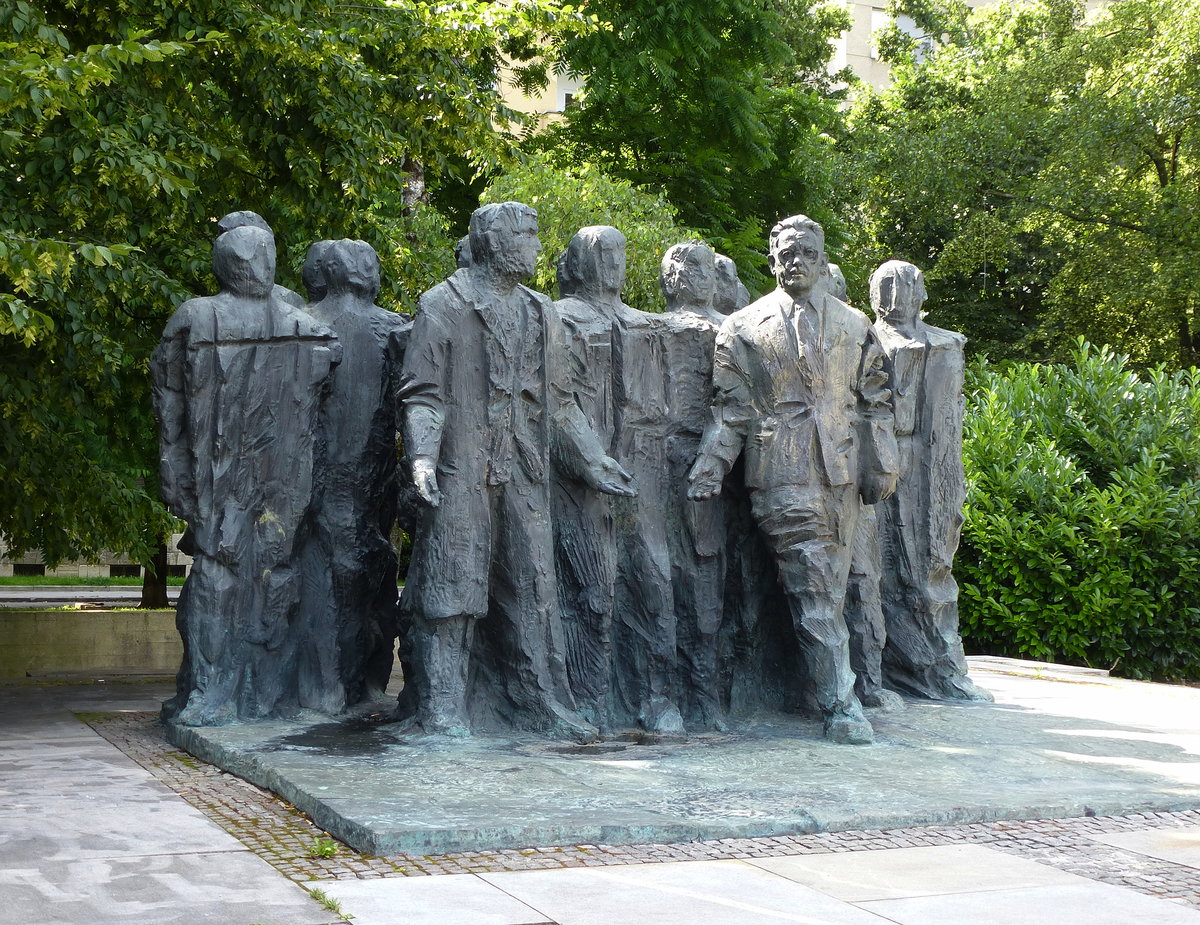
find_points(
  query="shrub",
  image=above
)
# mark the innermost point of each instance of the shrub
(1083, 500)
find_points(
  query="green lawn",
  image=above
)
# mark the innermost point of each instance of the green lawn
(52, 581)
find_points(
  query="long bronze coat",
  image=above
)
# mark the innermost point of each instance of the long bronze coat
(482, 399)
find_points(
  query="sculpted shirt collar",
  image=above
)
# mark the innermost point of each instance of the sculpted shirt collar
(809, 303)
(806, 316)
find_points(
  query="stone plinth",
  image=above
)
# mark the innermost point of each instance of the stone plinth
(1058, 742)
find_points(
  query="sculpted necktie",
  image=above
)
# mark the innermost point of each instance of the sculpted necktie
(807, 328)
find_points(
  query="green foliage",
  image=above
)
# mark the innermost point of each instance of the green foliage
(1042, 168)
(127, 129)
(323, 847)
(722, 105)
(1082, 534)
(570, 199)
(333, 905)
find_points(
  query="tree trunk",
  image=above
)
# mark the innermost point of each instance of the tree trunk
(1187, 343)
(154, 582)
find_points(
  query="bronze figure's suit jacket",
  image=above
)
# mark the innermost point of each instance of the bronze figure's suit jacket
(487, 384)
(806, 400)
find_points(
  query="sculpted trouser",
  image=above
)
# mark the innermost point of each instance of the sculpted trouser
(586, 560)
(234, 614)
(810, 531)
(205, 615)
(918, 529)
(864, 608)
(348, 605)
(526, 639)
(698, 577)
(644, 632)
(698, 567)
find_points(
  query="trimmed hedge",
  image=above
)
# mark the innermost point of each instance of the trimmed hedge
(1081, 541)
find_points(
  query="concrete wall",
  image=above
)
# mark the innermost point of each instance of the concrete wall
(41, 642)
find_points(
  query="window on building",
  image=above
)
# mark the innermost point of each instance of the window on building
(176, 571)
(881, 19)
(28, 569)
(567, 91)
(124, 571)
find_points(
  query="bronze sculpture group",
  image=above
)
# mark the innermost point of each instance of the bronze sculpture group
(664, 521)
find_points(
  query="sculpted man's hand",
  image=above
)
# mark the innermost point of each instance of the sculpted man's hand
(425, 478)
(609, 477)
(705, 478)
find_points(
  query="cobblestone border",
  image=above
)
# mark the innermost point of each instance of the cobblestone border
(287, 839)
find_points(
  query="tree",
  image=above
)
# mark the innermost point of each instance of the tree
(570, 199)
(722, 105)
(127, 129)
(1042, 167)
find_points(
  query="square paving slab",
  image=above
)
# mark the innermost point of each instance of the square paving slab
(1057, 742)
(87, 835)
(459, 900)
(898, 873)
(1085, 903)
(189, 889)
(1176, 847)
(701, 892)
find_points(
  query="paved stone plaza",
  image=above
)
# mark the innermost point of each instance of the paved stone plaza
(122, 827)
